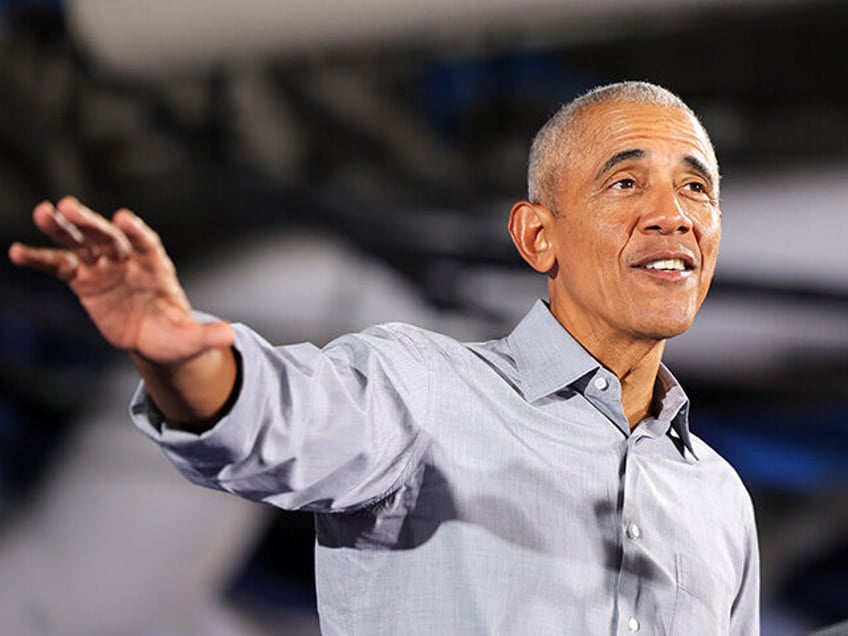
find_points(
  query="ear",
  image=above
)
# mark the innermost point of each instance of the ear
(531, 229)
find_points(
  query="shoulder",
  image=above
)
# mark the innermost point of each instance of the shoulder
(425, 341)
(439, 352)
(395, 344)
(721, 477)
(410, 333)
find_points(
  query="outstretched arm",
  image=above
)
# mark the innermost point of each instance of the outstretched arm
(126, 282)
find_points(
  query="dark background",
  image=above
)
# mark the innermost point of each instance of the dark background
(311, 175)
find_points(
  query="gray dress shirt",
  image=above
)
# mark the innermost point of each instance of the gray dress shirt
(490, 488)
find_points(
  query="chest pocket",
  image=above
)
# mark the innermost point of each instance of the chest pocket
(702, 607)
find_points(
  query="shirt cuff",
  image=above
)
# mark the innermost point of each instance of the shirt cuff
(217, 446)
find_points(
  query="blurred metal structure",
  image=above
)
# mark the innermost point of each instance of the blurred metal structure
(149, 39)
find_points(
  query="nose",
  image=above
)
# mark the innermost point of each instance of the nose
(666, 214)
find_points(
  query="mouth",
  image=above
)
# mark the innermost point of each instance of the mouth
(667, 264)
(677, 265)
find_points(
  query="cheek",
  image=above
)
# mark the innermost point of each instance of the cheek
(706, 225)
(709, 243)
(590, 247)
(603, 250)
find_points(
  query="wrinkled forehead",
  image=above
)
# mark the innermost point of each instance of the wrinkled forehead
(603, 129)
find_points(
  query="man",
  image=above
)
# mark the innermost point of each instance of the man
(543, 483)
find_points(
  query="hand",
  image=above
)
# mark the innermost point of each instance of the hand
(124, 280)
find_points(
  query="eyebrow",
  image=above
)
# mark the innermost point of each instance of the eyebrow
(624, 155)
(637, 153)
(700, 167)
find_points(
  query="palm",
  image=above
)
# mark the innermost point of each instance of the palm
(137, 309)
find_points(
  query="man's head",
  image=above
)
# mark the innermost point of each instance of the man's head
(623, 214)
(555, 142)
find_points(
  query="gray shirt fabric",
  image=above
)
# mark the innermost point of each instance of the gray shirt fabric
(489, 488)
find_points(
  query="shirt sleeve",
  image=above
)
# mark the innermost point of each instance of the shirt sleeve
(326, 430)
(745, 612)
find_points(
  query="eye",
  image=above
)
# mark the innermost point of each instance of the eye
(698, 190)
(624, 184)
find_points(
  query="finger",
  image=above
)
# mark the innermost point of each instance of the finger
(57, 227)
(101, 236)
(59, 263)
(64, 224)
(141, 236)
(144, 240)
(65, 233)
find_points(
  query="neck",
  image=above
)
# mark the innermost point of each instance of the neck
(638, 384)
(634, 361)
(636, 367)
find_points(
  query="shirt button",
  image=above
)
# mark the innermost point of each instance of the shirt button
(634, 531)
(633, 624)
(601, 384)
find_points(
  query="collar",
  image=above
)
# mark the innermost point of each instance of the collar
(548, 359)
(675, 405)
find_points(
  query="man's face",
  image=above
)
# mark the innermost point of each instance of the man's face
(639, 226)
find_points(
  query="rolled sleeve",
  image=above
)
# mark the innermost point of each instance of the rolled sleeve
(326, 430)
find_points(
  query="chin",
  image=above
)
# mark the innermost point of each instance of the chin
(661, 321)
(665, 326)
(666, 330)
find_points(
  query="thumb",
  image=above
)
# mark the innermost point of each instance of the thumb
(217, 335)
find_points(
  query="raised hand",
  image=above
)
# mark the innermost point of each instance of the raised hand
(123, 278)
(129, 287)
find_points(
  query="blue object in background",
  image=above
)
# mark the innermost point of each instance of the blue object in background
(801, 448)
(452, 89)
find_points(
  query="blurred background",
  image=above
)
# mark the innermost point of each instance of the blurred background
(315, 167)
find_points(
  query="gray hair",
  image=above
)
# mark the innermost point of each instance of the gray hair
(553, 144)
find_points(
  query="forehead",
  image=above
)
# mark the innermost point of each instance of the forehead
(666, 132)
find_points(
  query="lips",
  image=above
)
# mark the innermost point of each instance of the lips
(667, 261)
(667, 264)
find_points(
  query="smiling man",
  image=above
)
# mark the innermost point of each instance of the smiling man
(625, 222)
(542, 483)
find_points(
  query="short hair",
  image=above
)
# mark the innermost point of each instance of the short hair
(551, 149)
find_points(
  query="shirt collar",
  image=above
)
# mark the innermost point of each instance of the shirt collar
(675, 405)
(548, 359)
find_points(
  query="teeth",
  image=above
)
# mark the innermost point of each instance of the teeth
(668, 263)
